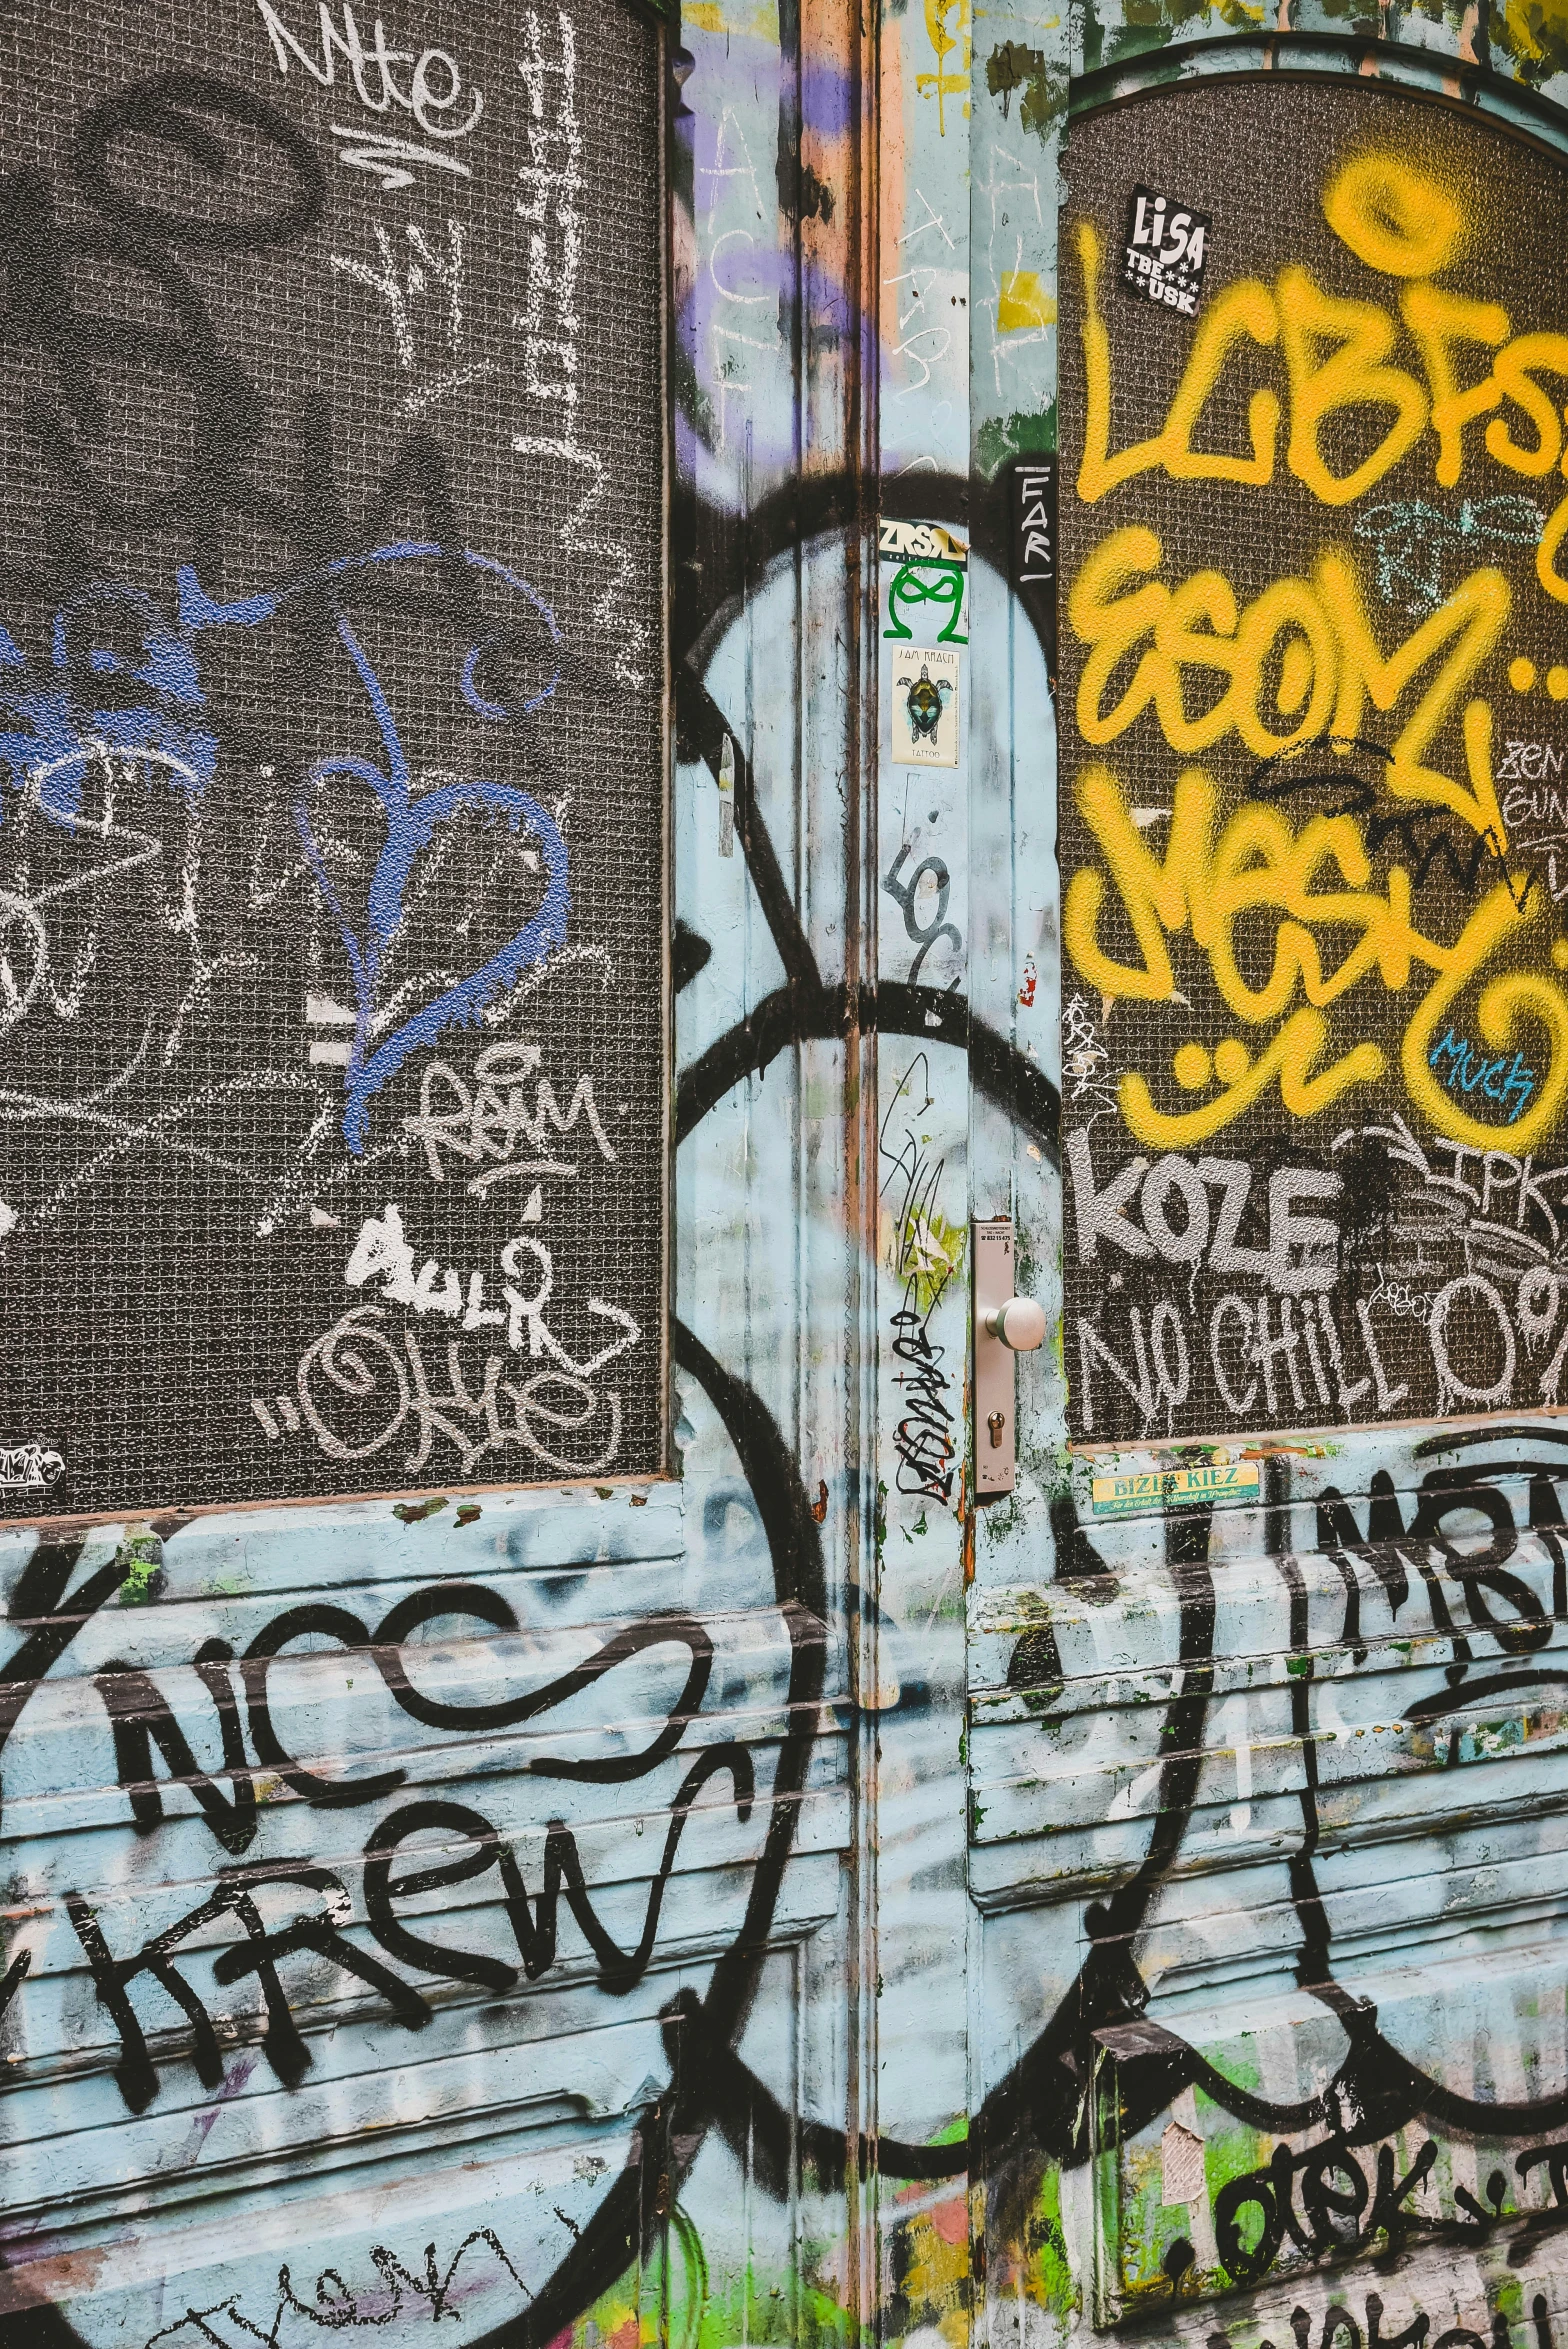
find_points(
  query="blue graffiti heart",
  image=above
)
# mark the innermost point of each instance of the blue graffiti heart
(411, 826)
(412, 822)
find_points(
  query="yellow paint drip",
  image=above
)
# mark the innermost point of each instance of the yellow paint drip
(1023, 302)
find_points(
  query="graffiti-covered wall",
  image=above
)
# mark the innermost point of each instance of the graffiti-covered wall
(552, 1795)
(426, 1910)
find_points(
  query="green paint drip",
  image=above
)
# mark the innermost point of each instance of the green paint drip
(1050, 2275)
(143, 1560)
(1013, 67)
(1026, 433)
(414, 1512)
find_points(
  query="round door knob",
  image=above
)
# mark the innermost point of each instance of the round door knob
(1020, 1323)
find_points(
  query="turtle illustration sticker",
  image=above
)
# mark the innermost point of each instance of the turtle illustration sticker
(925, 705)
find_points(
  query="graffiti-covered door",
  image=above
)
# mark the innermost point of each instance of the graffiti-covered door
(683, 696)
(1267, 1784)
(429, 609)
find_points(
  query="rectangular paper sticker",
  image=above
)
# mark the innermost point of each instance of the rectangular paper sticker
(1034, 549)
(925, 705)
(921, 542)
(1159, 1488)
(1164, 252)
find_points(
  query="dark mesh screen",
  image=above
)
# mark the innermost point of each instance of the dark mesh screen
(1314, 718)
(331, 689)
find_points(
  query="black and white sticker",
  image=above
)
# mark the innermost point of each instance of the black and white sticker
(1166, 246)
(1034, 549)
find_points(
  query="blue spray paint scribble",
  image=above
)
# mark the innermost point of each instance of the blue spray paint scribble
(1414, 542)
(52, 741)
(1468, 1066)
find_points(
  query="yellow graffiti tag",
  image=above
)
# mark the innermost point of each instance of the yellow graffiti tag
(1396, 219)
(1303, 650)
(1335, 356)
(947, 25)
(1334, 933)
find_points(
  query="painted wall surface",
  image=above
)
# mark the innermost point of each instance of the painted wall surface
(780, 1901)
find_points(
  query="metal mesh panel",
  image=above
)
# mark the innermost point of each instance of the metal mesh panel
(331, 688)
(1277, 1082)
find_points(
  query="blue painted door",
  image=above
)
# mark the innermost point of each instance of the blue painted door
(539, 1803)
(1264, 1780)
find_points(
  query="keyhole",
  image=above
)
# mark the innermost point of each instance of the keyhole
(996, 1423)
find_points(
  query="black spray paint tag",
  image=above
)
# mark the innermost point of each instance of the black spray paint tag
(1164, 251)
(1034, 550)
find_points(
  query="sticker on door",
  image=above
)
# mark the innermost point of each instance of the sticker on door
(925, 706)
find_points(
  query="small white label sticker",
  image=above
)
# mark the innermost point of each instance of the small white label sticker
(1181, 2166)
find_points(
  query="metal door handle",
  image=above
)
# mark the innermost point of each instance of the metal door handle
(1005, 1327)
(1019, 1323)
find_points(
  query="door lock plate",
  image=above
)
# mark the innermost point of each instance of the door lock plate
(995, 1375)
